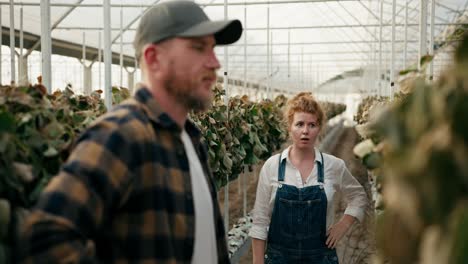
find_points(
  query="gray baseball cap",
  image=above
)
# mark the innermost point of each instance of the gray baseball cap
(182, 19)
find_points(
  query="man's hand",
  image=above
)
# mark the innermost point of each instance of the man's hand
(338, 230)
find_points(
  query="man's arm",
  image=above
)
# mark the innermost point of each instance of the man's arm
(76, 202)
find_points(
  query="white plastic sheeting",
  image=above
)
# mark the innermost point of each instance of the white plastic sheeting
(327, 37)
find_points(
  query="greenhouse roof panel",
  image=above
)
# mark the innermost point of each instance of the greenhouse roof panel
(335, 36)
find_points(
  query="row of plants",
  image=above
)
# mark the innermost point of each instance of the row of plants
(243, 133)
(416, 148)
(37, 131)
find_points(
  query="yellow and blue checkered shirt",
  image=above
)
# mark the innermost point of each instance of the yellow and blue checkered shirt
(123, 196)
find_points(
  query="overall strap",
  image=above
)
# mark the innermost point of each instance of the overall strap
(281, 168)
(320, 167)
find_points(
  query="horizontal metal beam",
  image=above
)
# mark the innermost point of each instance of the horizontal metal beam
(316, 43)
(286, 28)
(328, 53)
(449, 8)
(64, 48)
(448, 59)
(203, 5)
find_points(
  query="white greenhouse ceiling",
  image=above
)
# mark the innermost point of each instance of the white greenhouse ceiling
(311, 41)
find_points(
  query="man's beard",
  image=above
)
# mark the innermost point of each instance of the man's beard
(185, 93)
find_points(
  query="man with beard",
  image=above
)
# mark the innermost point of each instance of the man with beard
(137, 186)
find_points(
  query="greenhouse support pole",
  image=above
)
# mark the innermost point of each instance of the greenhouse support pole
(405, 45)
(379, 68)
(99, 60)
(268, 52)
(299, 76)
(12, 42)
(83, 59)
(311, 78)
(431, 47)
(20, 61)
(422, 31)
(1, 46)
(302, 69)
(46, 45)
(239, 184)
(317, 76)
(289, 54)
(121, 47)
(245, 50)
(136, 74)
(226, 101)
(131, 80)
(270, 82)
(392, 67)
(244, 188)
(107, 55)
(87, 79)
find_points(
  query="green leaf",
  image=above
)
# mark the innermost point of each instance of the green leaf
(227, 162)
(54, 130)
(7, 123)
(372, 160)
(408, 70)
(426, 59)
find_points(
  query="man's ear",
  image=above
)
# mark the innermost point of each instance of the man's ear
(150, 56)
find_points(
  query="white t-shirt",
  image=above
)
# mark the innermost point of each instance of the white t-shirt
(205, 239)
(338, 182)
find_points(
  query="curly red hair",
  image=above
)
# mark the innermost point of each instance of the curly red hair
(303, 102)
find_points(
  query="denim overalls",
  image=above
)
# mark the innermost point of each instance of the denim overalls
(297, 232)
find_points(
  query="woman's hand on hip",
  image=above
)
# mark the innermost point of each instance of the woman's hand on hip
(338, 230)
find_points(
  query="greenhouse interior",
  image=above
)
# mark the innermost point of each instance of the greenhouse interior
(389, 76)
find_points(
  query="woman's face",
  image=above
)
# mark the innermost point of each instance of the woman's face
(304, 130)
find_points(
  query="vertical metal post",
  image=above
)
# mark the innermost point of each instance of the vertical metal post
(83, 64)
(136, 71)
(431, 47)
(289, 53)
(245, 49)
(392, 66)
(107, 55)
(405, 55)
(299, 74)
(244, 188)
(302, 68)
(379, 68)
(131, 80)
(239, 184)
(317, 76)
(268, 52)
(226, 100)
(226, 63)
(270, 80)
(12, 42)
(100, 59)
(46, 45)
(20, 63)
(311, 77)
(372, 82)
(121, 47)
(422, 31)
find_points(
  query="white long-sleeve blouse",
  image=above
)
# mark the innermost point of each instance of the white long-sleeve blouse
(338, 183)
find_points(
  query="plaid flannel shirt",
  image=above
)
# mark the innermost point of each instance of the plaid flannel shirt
(123, 196)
